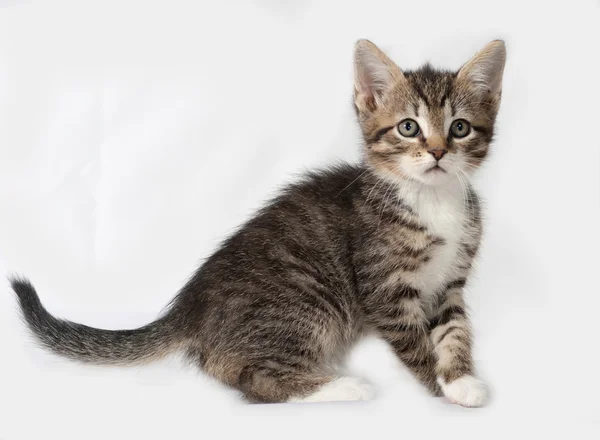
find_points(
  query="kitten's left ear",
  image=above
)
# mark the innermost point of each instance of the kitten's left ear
(484, 71)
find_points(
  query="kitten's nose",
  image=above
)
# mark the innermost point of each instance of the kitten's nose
(438, 153)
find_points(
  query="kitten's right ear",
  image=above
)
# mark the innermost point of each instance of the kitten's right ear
(484, 71)
(374, 74)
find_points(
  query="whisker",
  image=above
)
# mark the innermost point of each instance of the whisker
(471, 201)
(389, 190)
(350, 184)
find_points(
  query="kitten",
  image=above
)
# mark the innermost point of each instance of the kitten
(383, 246)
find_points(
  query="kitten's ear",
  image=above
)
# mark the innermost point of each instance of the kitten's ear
(484, 71)
(374, 74)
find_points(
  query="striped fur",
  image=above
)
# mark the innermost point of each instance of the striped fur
(381, 246)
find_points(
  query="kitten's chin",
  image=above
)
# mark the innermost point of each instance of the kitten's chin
(436, 178)
(433, 177)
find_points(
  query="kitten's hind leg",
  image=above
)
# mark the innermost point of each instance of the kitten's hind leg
(271, 385)
(345, 388)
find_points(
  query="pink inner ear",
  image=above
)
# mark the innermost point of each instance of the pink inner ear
(367, 85)
(366, 99)
(486, 68)
(372, 84)
(369, 80)
(365, 88)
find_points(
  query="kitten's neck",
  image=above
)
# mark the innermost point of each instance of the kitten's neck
(438, 207)
(442, 209)
(417, 194)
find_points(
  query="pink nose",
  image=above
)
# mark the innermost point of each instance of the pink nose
(438, 153)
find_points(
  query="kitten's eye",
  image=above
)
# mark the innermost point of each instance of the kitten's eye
(460, 128)
(408, 128)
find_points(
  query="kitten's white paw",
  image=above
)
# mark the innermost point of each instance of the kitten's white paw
(341, 389)
(466, 391)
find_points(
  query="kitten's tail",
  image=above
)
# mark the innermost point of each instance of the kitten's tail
(91, 345)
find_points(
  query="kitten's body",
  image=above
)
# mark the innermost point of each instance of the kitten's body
(346, 250)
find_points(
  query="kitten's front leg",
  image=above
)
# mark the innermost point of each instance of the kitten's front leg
(413, 348)
(452, 341)
(404, 325)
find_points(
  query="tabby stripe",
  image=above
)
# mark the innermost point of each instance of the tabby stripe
(446, 333)
(471, 252)
(315, 296)
(391, 216)
(406, 343)
(288, 362)
(321, 302)
(456, 284)
(405, 264)
(464, 340)
(415, 106)
(392, 313)
(393, 293)
(446, 315)
(318, 283)
(480, 154)
(399, 327)
(321, 299)
(438, 241)
(447, 91)
(444, 98)
(480, 129)
(411, 252)
(421, 95)
(406, 292)
(410, 225)
(402, 205)
(379, 134)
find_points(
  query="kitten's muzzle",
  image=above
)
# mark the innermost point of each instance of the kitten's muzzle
(437, 153)
(434, 169)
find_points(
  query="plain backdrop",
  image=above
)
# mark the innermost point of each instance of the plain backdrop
(134, 136)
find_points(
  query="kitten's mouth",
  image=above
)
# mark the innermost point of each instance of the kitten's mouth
(435, 169)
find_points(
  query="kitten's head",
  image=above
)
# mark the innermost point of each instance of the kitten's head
(427, 125)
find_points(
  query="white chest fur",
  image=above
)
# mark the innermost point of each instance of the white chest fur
(442, 210)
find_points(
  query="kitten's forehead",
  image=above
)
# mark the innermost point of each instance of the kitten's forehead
(431, 87)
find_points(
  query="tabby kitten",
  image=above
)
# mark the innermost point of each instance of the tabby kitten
(384, 246)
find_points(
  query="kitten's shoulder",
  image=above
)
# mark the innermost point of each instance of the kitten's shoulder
(336, 181)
